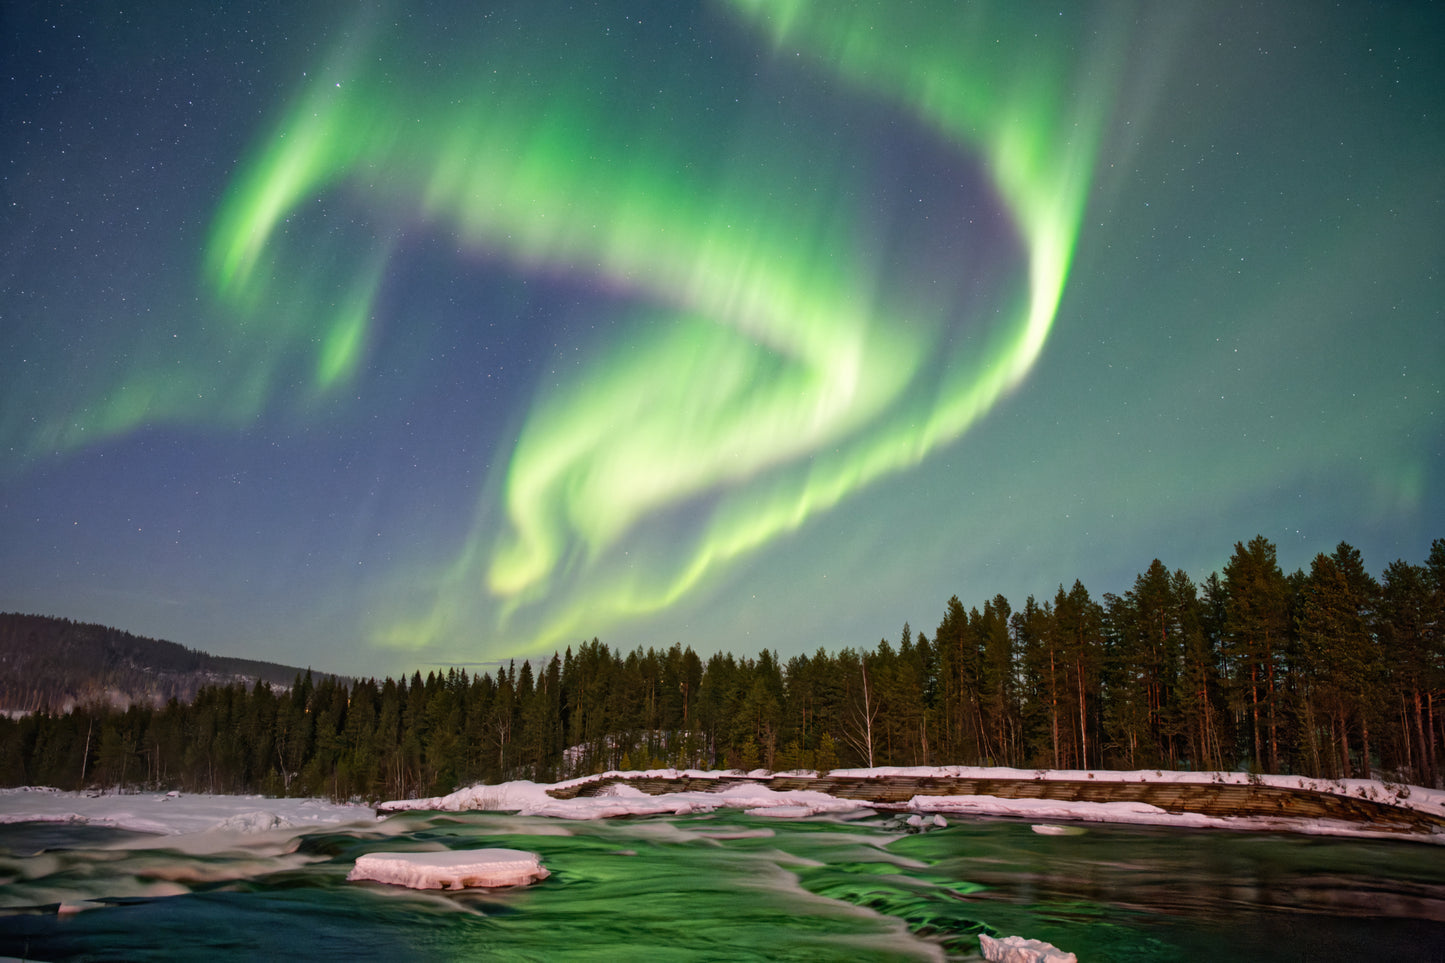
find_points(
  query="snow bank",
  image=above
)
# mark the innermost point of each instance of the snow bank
(1398, 794)
(173, 814)
(518, 796)
(750, 793)
(453, 869)
(1016, 949)
(1141, 814)
(1109, 812)
(531, 799)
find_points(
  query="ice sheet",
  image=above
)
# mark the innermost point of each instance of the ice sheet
(174, 814)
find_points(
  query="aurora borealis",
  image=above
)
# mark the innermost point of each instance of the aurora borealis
(384, 335)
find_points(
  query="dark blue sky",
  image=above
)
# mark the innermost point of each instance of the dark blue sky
(369, 336)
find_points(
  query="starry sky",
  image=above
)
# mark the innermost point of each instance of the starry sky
(378, 336)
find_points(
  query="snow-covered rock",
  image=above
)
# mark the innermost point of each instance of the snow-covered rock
(452, 869)
(1016, 949)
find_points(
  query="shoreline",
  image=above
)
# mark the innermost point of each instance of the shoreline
(1235, 801)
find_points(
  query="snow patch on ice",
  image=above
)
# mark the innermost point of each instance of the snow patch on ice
(1049, 829)
(1045, 808)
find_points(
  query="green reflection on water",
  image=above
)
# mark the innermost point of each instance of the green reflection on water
(729, 886)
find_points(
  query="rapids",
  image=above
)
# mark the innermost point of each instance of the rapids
(720, 886)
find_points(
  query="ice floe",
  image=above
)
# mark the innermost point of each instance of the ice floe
(1016, 949)
(451, 869)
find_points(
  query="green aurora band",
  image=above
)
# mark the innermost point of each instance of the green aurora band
(764, 371)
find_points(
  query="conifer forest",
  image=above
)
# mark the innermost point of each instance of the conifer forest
(1329, 672)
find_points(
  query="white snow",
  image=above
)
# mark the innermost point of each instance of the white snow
(451, 869)
(1049, 829)
(1413, 797)
(256, 835)
(174, 814)
(225, 817)
(529, 798)
(1016, 949)
(1109, 812)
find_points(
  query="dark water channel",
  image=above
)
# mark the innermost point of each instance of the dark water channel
(726, 887)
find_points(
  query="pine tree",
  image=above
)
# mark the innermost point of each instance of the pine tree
(1405, 632)
(1256, 615)
(1341, 661)
(1078, 620)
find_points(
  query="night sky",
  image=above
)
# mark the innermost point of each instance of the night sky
(374, 337)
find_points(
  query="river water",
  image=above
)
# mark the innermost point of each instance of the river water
(724, 886)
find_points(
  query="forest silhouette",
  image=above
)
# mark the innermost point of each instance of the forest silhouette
(1328, 672)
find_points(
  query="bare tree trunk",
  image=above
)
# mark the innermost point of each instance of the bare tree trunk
(868, 711)
(1314, 738)
(860, 734)
(1273, 729)
(1427, 747)
(1365, 741)
(1254, 698)
(1345, 744)
(1405, 734)
(285, 770)
(85, 756)
(1054, 704)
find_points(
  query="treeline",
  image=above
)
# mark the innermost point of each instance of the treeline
(1327, 673)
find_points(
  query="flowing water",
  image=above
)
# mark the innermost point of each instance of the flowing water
(724, 886)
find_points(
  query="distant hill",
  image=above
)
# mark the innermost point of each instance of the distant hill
(56, 664)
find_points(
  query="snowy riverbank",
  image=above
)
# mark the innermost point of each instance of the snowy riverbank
(653, 792)
(174, 814)
(783, 795)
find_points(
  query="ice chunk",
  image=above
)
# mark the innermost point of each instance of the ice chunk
(452, 869)
(1016, 949)
(922, 824)
(259, 821)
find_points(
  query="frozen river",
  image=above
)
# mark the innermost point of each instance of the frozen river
(248, 879)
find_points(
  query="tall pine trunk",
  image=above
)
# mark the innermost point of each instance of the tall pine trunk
(1344, 725)
(1054, 705)
(1273, 728)
(1430, 760)
(1254, 713)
